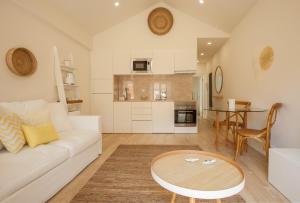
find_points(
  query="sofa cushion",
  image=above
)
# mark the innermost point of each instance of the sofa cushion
(59, 117)
(36, 117)
(25, 107)
(18, 170)
(76, 140)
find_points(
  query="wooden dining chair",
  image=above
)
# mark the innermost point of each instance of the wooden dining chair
(236, 120)
(262, 135)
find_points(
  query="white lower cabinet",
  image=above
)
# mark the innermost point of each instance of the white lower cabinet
(122, 117)
(163, 117)
(141, 117)
(102, 104)
(141, 126)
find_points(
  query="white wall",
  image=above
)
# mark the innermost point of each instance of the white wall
(19, 28)
(57, 19)
(134, 33)
(272, 23)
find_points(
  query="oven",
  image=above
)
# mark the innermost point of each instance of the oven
(185, 114)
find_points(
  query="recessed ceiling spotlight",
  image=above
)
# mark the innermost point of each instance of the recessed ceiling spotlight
(117, 4)
(209, 43)
(202, 54)
(201, 1)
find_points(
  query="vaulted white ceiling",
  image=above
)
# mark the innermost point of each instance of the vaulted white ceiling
(98, 15)
(208, 47)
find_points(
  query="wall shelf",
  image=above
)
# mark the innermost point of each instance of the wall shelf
(217, 96)
(68, 68)
(77, 101)
(68, 94)
(70, 86)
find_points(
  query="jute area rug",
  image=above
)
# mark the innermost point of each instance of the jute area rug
(125, 177)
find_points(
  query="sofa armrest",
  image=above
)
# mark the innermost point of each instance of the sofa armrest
(86, 123)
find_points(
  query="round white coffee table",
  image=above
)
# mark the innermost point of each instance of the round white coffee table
(197, 174)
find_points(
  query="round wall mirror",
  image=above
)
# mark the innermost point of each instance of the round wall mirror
(218, 79)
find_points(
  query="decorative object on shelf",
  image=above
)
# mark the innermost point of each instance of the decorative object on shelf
(266, 58)
(70, 79)
(160, 21)
(21, 61)
(163, 91)
(69, 60)
(218, 79)
(144, 95)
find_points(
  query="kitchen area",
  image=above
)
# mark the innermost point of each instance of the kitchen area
(145, 93)
(154, 104)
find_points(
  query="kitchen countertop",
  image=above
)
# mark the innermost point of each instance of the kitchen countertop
(137, 100)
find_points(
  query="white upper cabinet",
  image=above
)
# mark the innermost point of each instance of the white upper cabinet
(102, 64)
(142, 53)
(185, 60)
(163, 117)
(163, 62)
(122, 62)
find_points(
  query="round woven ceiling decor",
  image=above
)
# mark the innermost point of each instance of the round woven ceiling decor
(266, 58)
(160, 21)
(21, 61)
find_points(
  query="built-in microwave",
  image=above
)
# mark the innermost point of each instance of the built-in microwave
(141, 65)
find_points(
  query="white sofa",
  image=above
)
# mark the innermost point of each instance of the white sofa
(35, 175)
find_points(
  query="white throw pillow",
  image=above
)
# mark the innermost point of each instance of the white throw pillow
(25, 107)
(59, 117)
(36, 118)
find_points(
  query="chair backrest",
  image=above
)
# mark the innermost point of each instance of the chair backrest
(273, 114)
(242, 104)
(271, 121)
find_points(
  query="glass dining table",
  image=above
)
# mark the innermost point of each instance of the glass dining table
(227, 111)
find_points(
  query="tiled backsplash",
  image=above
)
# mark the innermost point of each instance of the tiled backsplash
(141, 87)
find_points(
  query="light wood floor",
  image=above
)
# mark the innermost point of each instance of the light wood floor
(257, 188)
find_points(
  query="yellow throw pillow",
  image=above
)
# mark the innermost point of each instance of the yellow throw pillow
(11, 135)
(41, 134)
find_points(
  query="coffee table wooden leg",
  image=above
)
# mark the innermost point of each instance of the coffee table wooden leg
(173, 198)
(218, 200)
(192, 200)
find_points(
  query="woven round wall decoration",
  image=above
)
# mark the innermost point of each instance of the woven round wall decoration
(266, 58)
(160, 21)
(21, 61)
